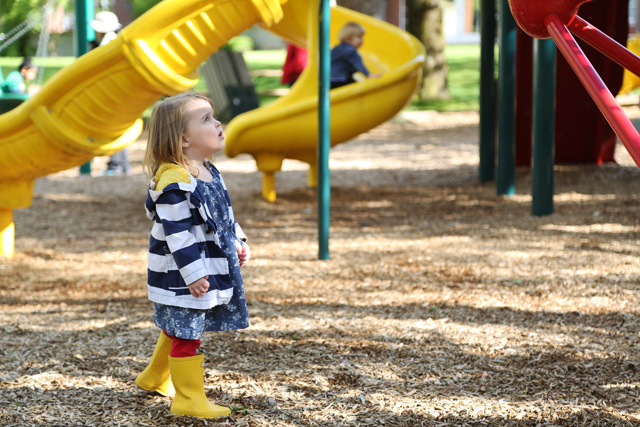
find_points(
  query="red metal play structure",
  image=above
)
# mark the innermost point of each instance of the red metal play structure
(558, 19)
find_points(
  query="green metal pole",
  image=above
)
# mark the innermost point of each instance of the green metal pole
(486, 170)
(82, 44)
(82, 47)
(91, 34)
(324, 131)
(506, 102)
(544, 78)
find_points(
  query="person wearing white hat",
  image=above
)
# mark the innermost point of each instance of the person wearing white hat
(106, 24)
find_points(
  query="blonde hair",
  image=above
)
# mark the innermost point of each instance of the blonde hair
(167, 124)
(350, 30)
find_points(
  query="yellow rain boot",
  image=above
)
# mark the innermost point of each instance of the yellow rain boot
(188, 378)
(155, 377)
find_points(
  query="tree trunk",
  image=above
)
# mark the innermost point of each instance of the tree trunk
(424, 21)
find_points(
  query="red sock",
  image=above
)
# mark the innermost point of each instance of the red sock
(181, 347)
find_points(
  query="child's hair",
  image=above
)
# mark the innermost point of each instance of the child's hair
(349, 30)
(26, 63)
(167, 124)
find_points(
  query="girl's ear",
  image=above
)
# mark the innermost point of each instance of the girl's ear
(185, 141)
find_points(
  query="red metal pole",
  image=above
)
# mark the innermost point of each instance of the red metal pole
(594, 85)
(605, 44)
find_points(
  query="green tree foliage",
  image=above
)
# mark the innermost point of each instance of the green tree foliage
(141, 6)
(15, 12)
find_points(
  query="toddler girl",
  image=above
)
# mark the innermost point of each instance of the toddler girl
(196, 250)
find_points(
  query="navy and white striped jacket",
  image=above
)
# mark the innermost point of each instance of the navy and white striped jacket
(184, 245)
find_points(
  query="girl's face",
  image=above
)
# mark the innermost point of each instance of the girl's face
(203, 135)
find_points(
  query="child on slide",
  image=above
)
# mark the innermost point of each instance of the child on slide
(345, 59)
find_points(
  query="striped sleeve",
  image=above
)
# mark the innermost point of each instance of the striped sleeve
(175, 216)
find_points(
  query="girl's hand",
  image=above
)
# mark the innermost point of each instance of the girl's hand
(244, 253)
(199, 287)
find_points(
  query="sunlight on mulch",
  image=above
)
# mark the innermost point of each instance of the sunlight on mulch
(442, 304)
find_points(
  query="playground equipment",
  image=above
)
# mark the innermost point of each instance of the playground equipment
(93, 107)
(556, 19)
(554, 100)
(288, 128)
(630, 80)
(594, 141)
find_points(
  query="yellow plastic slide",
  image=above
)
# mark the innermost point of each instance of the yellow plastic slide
(93, 107)
(629, 80)
(288, 128)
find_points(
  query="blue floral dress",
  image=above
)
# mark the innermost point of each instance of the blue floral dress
(189, 323)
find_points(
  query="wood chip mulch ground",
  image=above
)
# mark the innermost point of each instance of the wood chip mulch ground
(443, 304)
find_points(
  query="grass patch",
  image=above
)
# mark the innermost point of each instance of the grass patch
(51, 65)
(463, 79)
(265, 59)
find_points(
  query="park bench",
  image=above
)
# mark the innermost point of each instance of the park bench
(230, 84)
(9, 101)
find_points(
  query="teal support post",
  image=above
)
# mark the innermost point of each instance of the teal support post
(324, 130)
(506, 102)
(486, 169)
(82, 24)
(91, 34)
(544, 78)
(82, 47)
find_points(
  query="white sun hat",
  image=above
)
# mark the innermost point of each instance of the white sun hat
(105, 22)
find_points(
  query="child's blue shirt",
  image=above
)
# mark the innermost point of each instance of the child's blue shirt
(345, 60)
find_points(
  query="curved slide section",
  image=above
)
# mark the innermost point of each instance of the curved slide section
(288, 128)
(629, 80)
(93, 106)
